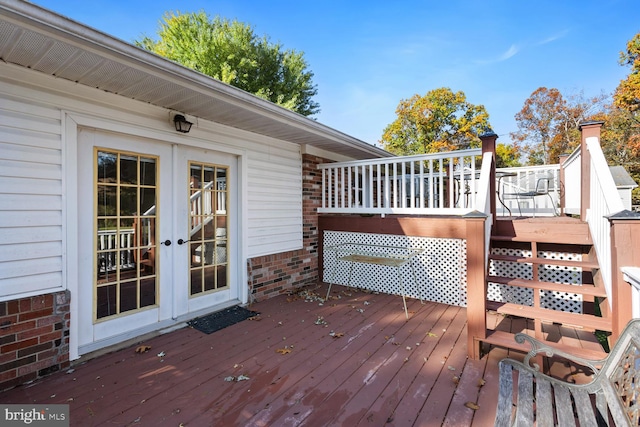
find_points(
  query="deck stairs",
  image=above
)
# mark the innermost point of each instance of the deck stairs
(545, 270)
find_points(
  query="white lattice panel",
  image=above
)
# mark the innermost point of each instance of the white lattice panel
(440, 274)
(563, 301)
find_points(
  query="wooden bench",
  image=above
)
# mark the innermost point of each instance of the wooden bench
(612, 398)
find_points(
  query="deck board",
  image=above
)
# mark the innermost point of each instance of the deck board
(373, 375)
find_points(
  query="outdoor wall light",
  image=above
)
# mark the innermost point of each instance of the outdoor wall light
(182, 124)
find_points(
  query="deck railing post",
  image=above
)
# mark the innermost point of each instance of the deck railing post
(625, 233)
(563, 158)
(489, 146)
(476, 282)
(587, 130)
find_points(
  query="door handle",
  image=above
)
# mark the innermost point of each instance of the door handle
(166, 242)
(180, 241)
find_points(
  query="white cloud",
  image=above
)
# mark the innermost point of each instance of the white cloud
(554, 37)
(509, 53)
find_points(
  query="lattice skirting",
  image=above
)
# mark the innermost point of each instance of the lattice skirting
(563, 301)
(440, 270)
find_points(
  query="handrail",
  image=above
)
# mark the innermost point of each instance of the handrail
(483, 201)
(604, 201)
(441, 183)
(632, 277)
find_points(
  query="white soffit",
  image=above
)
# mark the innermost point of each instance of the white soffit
(38, 39)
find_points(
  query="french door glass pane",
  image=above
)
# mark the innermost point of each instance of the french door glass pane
(125, 192)
(208, 253)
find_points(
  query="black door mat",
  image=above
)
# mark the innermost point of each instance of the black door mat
(221, 319)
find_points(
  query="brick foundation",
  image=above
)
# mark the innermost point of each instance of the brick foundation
(34, 338)
(279, 273)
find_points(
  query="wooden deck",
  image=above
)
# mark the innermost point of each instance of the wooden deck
(353, 361)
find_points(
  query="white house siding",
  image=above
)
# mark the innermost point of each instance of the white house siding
(31, 216)
(274, 199)
(31, 177)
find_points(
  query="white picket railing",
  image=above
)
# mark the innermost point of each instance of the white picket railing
(604, 200)
(573, 180)
(108, 242)
(443, 183)
(516, 185)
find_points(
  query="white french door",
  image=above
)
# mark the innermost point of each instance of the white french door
(206, 220)
(156, 235)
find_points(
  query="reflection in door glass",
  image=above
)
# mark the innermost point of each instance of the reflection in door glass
(126, 266)
(208, 249)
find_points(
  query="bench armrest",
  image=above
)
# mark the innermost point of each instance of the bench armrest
(538, 347)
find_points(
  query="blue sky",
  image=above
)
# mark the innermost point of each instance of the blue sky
(366, 56)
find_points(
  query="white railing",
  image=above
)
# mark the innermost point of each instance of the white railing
(632, 276)
(108, 242)
(516, 185)
(572, 179)
(443, 183)
(604, 201)
(483, 201)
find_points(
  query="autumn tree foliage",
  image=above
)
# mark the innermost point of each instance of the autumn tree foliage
(507, 155)
(230, 51)
(621, 131)
(440, 120)
(548, 123)
(627, 95)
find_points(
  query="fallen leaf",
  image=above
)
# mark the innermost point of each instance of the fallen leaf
(230, 379)
(472, 405)
(143, 348)
(481, 382)
(256, 318)
(336, 334)
(242, 378)
(456, 379)
(431, 334)
(283, 350)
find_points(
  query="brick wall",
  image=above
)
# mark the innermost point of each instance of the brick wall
(34, 338)
(275, 274)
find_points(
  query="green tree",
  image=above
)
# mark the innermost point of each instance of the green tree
(441, 120)
(231, 52)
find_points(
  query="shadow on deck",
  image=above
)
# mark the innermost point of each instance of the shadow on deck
(352, 361)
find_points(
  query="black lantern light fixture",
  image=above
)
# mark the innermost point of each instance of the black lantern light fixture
(182, 124)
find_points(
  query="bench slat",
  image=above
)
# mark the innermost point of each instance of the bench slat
(524, 412)
(585, 408)
(505, 396)
(564, 406)
(544, 403)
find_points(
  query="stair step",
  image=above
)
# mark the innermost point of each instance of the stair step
(543, 230)
(546, 261)
(506, 339)
(540, 239)
(584, 289)
(572, 319)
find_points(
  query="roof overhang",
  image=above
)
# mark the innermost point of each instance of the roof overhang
(38, 39)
